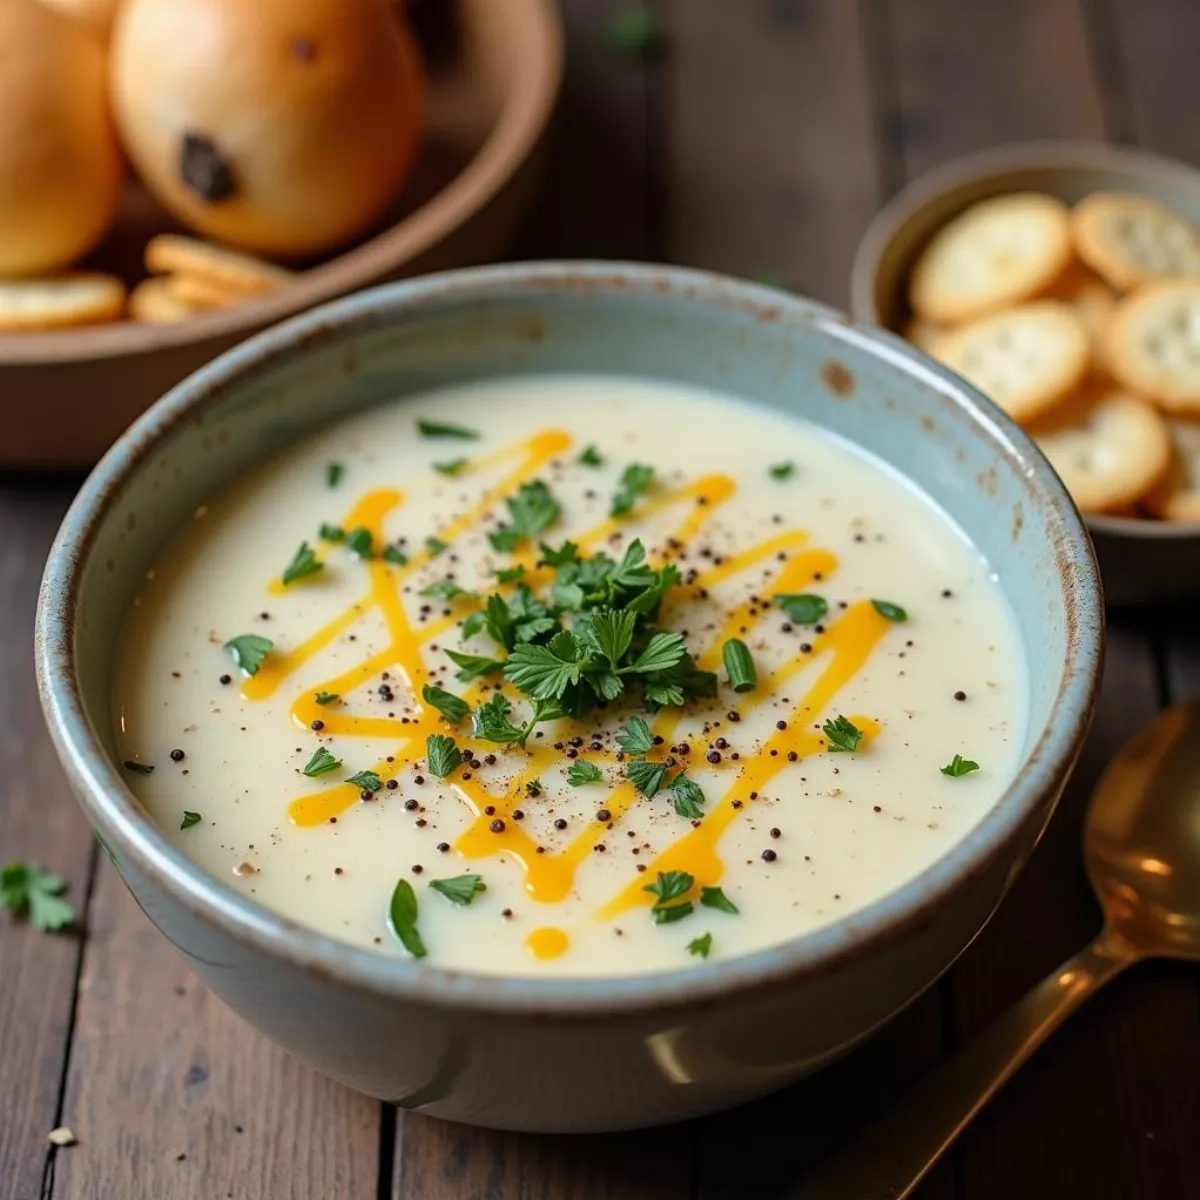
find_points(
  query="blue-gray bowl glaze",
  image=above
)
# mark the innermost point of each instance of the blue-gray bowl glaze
(559, 1054)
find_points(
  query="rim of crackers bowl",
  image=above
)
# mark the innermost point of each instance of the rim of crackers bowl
(971, 176)
(538, 45)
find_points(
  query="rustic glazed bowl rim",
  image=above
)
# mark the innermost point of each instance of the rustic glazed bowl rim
(125, 827)
(539, 50)
(1071, 154)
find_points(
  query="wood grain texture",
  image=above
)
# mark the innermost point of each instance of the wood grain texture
(174, 1098)
(771, 163)
(39, 821)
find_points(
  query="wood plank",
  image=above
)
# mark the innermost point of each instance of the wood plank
(39, 821)
(173, 1097)
(770, 150)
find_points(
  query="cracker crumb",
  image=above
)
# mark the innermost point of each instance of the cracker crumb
(62, 1136)
(245, 868)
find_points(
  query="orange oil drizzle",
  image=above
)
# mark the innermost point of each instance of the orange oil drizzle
(842, 649)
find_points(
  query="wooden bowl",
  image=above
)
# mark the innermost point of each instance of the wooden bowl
(1141, 560)
(494, 68)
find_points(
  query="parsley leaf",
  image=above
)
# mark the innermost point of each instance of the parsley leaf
(138, 768)
(714, 897)
(472, 666)
(435, 429)
(395, 556)
(701, 947)
(568, 552)
(332, 533)
(490, 721)
(689, 796)
(803, 609)
(635, 480)
(675, 912)
(368, 781)
(360, 543)
(30, 888)
(190, 819)
(451, 467)
(958, 766)
(323, 698)
(442, 754)
(304, 563)
(452, 707)
(668, 886)
(434, 546)
(662, 652)
(532, 509)
(249, 650)
(333, 474)
(402, 916)
(545, 672)
(534, 787)
(610, 634)
(893, 612)
(591, 457)
(510, 574)
(321, 763)
(473, 624)
(462, 889)
(637, 738)
(784, 470)
(843, 735)
(583, 772)
(446, 588)
(646, 776)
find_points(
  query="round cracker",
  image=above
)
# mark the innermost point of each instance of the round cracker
(154, 302)
(1153, 344)
(1026, 359)
(1092, 298)
(60, 302)
(172, 253)
(1131, 240)
(998, 253)
(202, 293)
(924, 334)
(1177, 496)
(1108, 447)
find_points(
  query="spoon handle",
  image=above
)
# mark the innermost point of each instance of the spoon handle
(893, 1156)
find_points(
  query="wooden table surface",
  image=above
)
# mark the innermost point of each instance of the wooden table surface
(760, 142)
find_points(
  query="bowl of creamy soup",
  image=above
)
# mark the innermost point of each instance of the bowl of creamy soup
(570, 697)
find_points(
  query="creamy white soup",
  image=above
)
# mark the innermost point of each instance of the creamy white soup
(790, 683)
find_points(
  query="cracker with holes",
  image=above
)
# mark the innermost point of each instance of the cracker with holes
(1108, 447)
(1131, 240)
(154, 302)
(998, 253)
(1092, 298)
(1026, 359)
(1153, 344)
(201, 293)
(1177, 497)
(229, 270)
(60, 302)
(924, 334)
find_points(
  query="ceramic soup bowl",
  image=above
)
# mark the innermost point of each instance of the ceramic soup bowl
(595, 1054)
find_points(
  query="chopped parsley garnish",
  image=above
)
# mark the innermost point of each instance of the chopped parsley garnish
(434, 546)
(739, 665)
(473, 624)
(545, 672)
(636, 31)
(138, 768)
(249, 650)
(435, 429)
(462, 889)
(534, 787)
(636, 738)
(446, 588)
(333, 474)
(591, 457)
(510, 574)
(402, 916)
(395, 556)
(714, 897)
(669, 885)
(453, 708)
(701, 947)
(568, 552)
(451, 467)
(689, 796)
(323, 698)
(360, 542)
(29, 888)
(490, 720)
(367, 781)
(843, 735)
(472, 666)
(673, 913)
(321, 763)
(531, 510)
(304, 563)
(190, 819)
(635, 480)
(332, 533)
(959, 766)
(646, 776)
(583, 772)
(893, 612)
(442, 754)
(803, 608)
(784, 470)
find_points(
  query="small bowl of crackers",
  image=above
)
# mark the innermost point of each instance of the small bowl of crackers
(176, 175)
(1062, 279)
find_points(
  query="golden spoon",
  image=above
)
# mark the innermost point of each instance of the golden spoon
(1141, 844)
